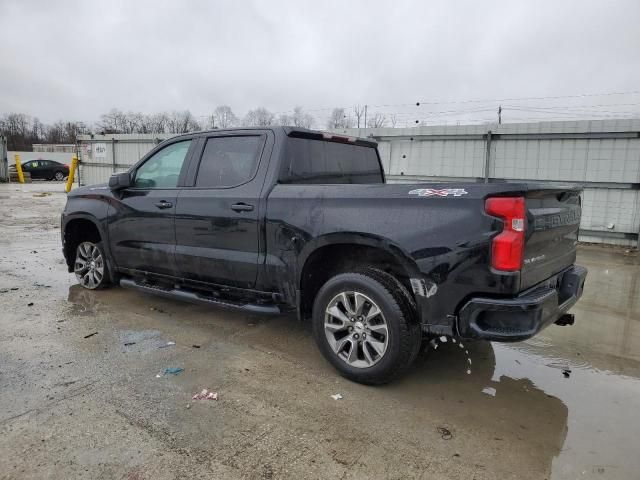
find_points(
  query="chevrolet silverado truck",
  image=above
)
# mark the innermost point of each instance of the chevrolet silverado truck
(279, 219)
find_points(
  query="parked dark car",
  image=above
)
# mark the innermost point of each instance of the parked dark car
(276, 219)
(45, 169)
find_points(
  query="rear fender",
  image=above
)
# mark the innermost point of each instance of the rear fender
(357, 239)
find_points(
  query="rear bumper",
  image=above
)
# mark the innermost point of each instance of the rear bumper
(519, 318)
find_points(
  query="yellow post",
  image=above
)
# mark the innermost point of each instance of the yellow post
(72, 172)
(19, 169)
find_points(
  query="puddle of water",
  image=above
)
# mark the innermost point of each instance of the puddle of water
(574, 391)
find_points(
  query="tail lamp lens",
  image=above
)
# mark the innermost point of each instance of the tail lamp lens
(507, 249)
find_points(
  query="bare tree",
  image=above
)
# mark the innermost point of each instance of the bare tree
(284, 119)
(112, 122)
(338, 119)
(301, 119)
(358, 111)
(38, 129)
(133, 122)
(182, 122)
(260, 117)
(223, 117)
(55, 133)
(393, 119)
(22, 131)
(153, 123)
(376, 121)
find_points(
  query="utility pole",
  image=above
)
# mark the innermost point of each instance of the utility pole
(499, 114)
(365, 116)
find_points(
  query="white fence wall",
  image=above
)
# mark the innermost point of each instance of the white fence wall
(102, 155)
(601, 155)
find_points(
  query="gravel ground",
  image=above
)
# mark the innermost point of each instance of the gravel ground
(80, 396)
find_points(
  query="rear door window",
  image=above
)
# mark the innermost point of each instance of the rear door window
(323, 162)
(229, 161)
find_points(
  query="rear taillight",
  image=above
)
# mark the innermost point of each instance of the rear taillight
(66, 165)
(507, 248)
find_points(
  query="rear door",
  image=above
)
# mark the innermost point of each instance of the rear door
(142, 218)
(47, 167)
(217, 215)
(553, 221)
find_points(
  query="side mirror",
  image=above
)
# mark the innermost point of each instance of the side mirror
(118, 181)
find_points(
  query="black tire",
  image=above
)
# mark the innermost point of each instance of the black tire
(399, 311)
(87, 277)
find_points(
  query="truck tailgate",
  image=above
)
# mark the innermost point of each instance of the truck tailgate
(553, 220)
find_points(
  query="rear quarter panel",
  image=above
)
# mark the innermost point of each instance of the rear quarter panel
(442, 238)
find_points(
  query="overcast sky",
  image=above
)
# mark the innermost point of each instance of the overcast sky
(76, 60)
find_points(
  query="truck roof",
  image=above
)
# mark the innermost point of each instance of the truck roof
(298, 132)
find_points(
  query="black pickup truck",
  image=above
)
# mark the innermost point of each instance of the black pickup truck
(287, 219)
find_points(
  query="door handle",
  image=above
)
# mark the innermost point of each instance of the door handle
(164, 204)
(241, 207)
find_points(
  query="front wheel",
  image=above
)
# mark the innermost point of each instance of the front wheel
(90, 266)
(365, 325)
(59, 176)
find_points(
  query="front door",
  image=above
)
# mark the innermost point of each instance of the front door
(141, 218)
(33, 167)
(217, 217)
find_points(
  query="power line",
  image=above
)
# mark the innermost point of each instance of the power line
(449, 102)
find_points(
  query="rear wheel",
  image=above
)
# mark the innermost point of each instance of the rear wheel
(365, 324)
(58, 175)
(90, 265)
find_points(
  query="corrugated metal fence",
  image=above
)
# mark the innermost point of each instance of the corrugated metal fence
(102, 155)
(601, 155)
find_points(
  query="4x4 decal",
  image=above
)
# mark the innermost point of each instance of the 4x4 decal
(433, 192)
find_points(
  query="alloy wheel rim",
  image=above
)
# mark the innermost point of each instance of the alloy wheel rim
(59, 176)
(356, 329)
(89, 265)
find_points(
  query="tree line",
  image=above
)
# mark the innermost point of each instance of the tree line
(22, 131)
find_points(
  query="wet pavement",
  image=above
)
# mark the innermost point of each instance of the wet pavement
(563, 405)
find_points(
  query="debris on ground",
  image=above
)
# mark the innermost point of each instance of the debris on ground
(168, 344)
(195, 346)
(91, 335)
(170, 371)
(205, 395)
(4, 290)
(155, 309)
(43, 194)
(30, 304)
(128, 344)
(14, 288)
(337, 396)
(566, 372)
(445, 433)
(489, 391)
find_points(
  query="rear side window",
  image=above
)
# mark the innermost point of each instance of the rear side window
(229, 161)
(322, 162)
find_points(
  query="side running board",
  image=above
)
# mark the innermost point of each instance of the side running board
(188, 296)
